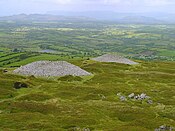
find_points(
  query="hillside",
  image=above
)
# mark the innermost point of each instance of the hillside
(113, 96)
(100, 102)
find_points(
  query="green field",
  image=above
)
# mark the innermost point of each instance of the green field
(90, 39)
(78, 103)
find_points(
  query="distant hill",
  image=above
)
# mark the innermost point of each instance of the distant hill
(140, 20)
(150, 17)
(42, 17)
(126, 18)
(100, 15)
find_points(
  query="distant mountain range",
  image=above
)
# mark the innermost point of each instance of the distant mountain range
(43, 18)
(126, 18)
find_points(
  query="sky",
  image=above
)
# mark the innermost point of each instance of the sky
(10, 7)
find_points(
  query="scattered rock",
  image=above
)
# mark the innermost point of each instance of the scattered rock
(118, 94)
(142, 96)
(123, 98)
(86, 129)
(50, 68)
(80, 129)
(76, 129)
(150, 102)
(165, 128)
(19, 85)
(131, 95)
(5, 71)
(114, 58)
(102, 96)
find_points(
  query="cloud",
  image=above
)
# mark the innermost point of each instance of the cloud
(139, 2)
(98, 2)
(62, 2)
(42, 6)
(159, 2)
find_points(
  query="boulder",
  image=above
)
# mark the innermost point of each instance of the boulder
(19, 85)
(5, 71)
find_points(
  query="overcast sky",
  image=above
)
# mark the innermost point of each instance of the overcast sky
(9, 7)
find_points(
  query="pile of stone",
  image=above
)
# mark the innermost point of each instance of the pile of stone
(114, 58)
(138, 97)
(141, 97)
(51, 68)
(165, 128)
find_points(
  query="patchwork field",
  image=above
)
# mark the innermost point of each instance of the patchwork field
(116, 97)
(81, 39)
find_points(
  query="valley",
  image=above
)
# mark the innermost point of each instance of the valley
(137, 95)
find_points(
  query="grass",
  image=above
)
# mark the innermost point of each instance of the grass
(69, 103)
(92, 102)
(167, 53)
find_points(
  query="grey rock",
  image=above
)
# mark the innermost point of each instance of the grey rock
(142, 96)
(86, 129)
(131, 95)
(150, 102)
(5, 71)
(123, 98)
(165, 128)
(162, 127)
(136, 97)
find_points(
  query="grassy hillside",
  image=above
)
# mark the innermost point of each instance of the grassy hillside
(97, 102)
(91, 102)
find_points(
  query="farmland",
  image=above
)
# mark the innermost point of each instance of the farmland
(28, 41)
(88, 102)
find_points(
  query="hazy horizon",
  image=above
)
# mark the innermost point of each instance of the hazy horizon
(11, 7)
